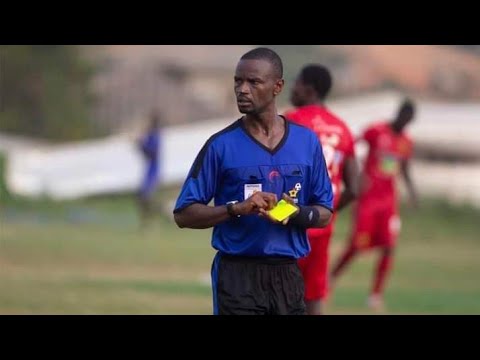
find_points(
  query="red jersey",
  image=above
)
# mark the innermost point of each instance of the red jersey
(336, 139)
(386, 151)
(338, 144)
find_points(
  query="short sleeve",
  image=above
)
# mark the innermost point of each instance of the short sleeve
(201, 183)
(322, 193)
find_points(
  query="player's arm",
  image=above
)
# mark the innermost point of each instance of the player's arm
(200, 216)
(351, 175)
(405, 171)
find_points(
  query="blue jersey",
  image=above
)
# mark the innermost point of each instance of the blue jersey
(232, 165)
(150, 146)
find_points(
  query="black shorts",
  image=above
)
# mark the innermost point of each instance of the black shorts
(257, 286)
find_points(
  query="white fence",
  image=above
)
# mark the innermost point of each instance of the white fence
(109, 165)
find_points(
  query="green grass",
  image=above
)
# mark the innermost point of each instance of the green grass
(436, 265)
(90, 257)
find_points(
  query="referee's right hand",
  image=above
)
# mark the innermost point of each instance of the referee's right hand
(252, 205)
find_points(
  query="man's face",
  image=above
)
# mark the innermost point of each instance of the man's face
(298, 93)
(256, 86)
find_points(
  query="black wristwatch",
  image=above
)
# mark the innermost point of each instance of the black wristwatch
(230, 208)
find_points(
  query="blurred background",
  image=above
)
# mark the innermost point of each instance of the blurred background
(71, 239)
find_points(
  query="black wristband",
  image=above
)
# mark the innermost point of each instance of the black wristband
(306, 218)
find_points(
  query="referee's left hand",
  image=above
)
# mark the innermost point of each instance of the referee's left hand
(266, 214)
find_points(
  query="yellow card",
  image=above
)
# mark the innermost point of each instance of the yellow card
(282, 210)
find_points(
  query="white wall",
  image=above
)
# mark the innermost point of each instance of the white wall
(103, 166)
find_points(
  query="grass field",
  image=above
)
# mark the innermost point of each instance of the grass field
(89, 257)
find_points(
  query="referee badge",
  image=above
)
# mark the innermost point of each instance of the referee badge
(293, 193)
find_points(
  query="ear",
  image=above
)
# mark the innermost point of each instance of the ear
(278, 87)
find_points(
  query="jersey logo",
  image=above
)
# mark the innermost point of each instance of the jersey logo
(272, 175)
(389, 164)
(293, 193)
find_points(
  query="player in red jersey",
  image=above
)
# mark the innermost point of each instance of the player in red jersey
(376, 221)
(308, 94)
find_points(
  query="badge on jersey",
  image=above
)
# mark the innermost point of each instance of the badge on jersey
(293, 193)
(250, 189)
(389, 164)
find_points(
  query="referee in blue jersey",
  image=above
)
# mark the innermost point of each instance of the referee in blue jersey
(246, 168)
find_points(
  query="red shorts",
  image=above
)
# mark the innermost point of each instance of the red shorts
(375, 223)
(314, 266)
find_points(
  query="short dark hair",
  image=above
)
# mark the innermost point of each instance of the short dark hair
(318, 77)
(266, 54)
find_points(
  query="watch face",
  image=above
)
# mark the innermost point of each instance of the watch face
(230, 208)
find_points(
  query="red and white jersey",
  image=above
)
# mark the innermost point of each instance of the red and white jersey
(336, 139)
